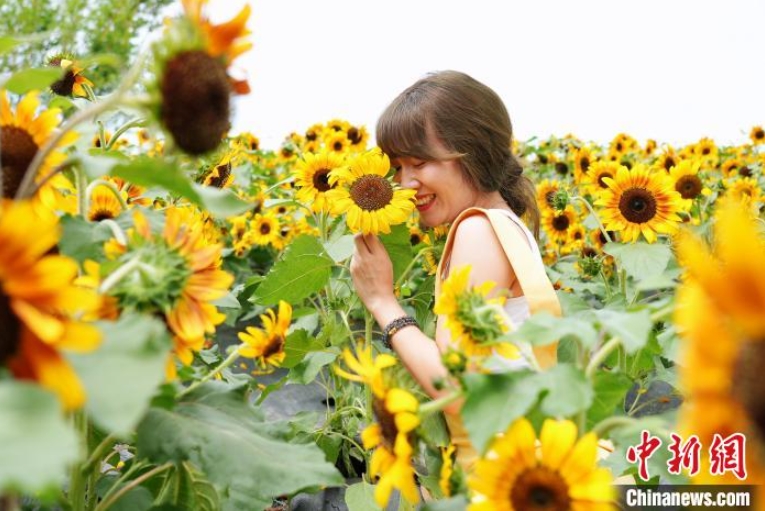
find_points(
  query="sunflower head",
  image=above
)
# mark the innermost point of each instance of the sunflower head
(365, 368)
(266, 344)
(312, 174)
(72, 83)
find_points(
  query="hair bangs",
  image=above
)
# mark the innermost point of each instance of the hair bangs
(402, 128)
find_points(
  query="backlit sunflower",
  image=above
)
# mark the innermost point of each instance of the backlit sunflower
(371, 202)
(561, 474)
(266, 344)
(220, 175)
(22, 134)
(757, 135)
(265, 229)
(558, 224)
(178, 276)
(640, 201)
(476, 322)
(391, 438)
(688, 183)
(719, 315)
(312, 178)
(73, 83)
(39, 303)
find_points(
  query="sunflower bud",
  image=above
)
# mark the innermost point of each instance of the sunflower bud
(590, 266)
(560, 200)
(455, 362)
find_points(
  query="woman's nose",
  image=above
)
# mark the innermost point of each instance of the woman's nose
(405, 177)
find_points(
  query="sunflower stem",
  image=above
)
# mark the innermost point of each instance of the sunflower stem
(68, 163)
(119, 274)
(133, 484)
(98, 453)
(101, 134)
(107, 184)
(77, 481)
(117, 231)
(81, 183)
(601, 355)
(592, 212)
(232, 357)
(139, 121)
(623, 282)
(439, 404)
(410, 266)
(601, 428)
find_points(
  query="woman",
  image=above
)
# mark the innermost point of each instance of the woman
(449, 138)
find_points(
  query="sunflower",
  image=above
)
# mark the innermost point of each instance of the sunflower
(366, 369)
(639, 201)
(706, 150)
(312, 178)
(719, 312)
(667, 159)
(476, 322)
(372, 203)
(557, 224)
(450, 481)
(745, 190)
(396, 415)
(220, 175)
(561, 474)
(178, 276)
(358, 138)
(104, 205)
(226, 40)
(39, 303)
(757, 135)
(598, 171)
(623, 144)
(22, 135)
(547, 189)
(336, 141)
(688, 183)
(583, 158)
(73, 83)
(265, 229)
(267, 344)
(731, 166)
(650, 147)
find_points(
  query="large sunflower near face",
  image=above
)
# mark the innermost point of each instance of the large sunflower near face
(720, 317)
(23, 132)
(476, 322)
(178, 276)
(559, 474)
(266, 344)
(312, 178)
(371, 202)
(639, 201)
(39, 303)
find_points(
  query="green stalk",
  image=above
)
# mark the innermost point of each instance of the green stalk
(601, 355)
(592, 211)
(232, 357)
(122, 129)
(77, 481)
(119, 274)
(132, 484)
(439, 404)
(609, 423)
(111, 186)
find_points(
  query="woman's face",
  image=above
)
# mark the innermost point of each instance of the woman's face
(442, 190)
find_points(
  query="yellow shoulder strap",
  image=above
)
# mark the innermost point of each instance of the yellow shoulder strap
(529, 270)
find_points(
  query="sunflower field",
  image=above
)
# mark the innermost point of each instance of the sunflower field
(179, 329)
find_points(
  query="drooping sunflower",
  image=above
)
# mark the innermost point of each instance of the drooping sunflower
(688, 183)
(73, 83)
(719, 314)
(39, 303)
(391, 438)
(312, 178)
(560, 474)
(266, 344)
(757, 135)
(22, 134)
(371, 202)
(476, 322)
(640, 201)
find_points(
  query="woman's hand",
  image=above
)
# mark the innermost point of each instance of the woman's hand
(372, 273)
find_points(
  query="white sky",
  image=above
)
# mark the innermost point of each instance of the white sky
(673, 70)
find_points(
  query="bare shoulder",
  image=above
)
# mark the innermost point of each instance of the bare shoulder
(475, 244)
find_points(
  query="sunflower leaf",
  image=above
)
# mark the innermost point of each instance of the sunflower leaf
(221, 203)
(544, 328)
(36, 443)
(303, 270)
(640, 260)
(632, 327)
(123, 374)
(248, 461)
(306, 370)
(26, 80)
(83, 240)
(399, 248)
(361, 497)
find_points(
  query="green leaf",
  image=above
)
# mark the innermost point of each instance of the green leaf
(305, 371)
(458, 503)
(96, 163)
(81, 239)
(494, 401)
(228, 301)
(7, 43)
(399, 248)
(36, 443)
(610, 389)
(216, 429)
(544, 328)
(188, 489)
(220, 202)
(303, 270)
(297, 346)
(121, 377)
(568, 391)
(361, 497)
(136, 499)
(148, 172)
(640, 260)
(632, 327)
(341, 248)
(26, 80)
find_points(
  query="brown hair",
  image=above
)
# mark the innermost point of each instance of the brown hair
(470, 119)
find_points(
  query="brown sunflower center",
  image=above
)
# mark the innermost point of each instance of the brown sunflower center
(584, 163)
(265, 228)
(101, 214)
(387, 423)
(561, 223)
(275, 345)
(65, 85)
(371, 192)
(669, 162)
(17, 149)
(311, 136)
(602, 183)
(589, 252)
(540, 489)
(224, 171)
(414, 239)
(759, 134)
(10, 332)
(321, 180)
(550, 197)
(637, 205)
(337, 146)
(195, 101)
(561, 168)
(689, 186)
(354, 136)
(745, 171)
(747, 382)
(705, 151)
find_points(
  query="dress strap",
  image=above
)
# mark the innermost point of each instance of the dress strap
(529, 270)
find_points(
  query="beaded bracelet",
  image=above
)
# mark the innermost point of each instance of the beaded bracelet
(396, 325)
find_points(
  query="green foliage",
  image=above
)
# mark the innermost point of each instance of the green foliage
(26, 80)
(361, 497)
(640, 260)
(81, 239)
